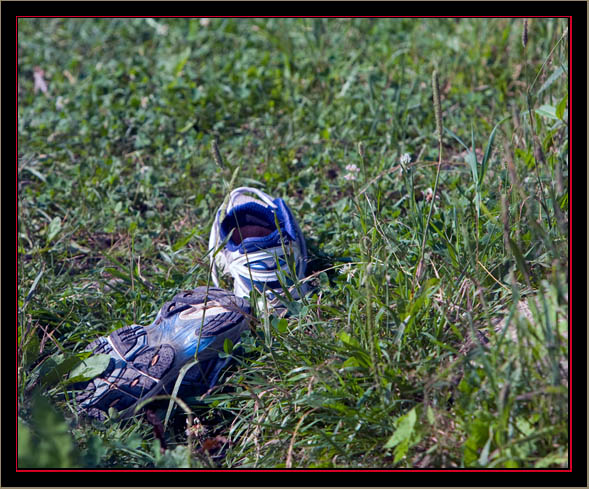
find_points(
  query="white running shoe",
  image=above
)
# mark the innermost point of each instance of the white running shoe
(258, 254)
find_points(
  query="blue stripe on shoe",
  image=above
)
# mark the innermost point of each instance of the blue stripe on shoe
(261, 285)
(205, 342)
(202, 345)
(267, 264)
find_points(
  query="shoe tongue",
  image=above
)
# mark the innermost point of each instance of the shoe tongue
(254, 214)
(249, 214)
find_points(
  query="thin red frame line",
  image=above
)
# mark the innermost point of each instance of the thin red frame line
(294, 17)
(296, 470)
(570, 240)
(16, 383)
(327, 470)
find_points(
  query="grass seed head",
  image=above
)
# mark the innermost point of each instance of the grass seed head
(217, 155)
(361, 149)
(505, 219)
(525, 34)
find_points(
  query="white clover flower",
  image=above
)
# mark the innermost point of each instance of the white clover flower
(429, 193)
(350, 176)
(352, 168)
(348, 271)
(405, 158)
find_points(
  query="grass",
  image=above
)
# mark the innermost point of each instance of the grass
(456, 360)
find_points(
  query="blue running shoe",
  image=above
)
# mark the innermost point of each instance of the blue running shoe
(146, 360)
(258, 253)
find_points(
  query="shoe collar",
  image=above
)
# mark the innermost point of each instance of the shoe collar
(254, 213)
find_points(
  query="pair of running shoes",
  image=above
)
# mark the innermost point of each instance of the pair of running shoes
(254, 239)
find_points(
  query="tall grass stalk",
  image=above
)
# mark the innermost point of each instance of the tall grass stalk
(439, 130)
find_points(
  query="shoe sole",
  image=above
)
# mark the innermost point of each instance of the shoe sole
(138, 371)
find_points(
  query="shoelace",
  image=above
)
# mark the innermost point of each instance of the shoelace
(244, 190)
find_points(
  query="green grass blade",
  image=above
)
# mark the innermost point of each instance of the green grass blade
(488, 150)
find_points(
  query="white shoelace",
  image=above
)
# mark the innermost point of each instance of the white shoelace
(244, 190)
